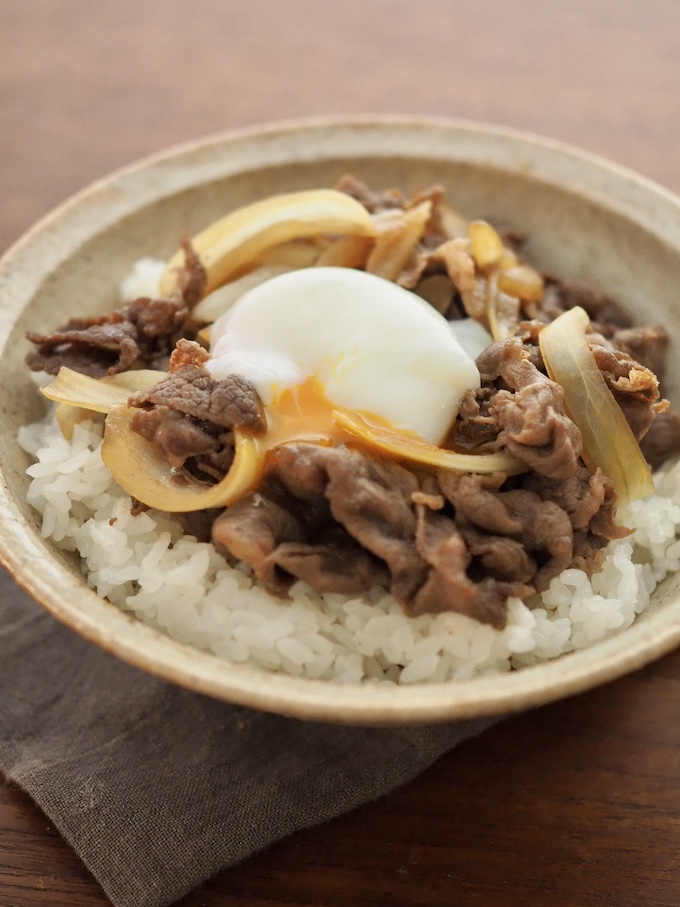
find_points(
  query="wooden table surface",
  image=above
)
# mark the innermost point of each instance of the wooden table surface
(576, 804)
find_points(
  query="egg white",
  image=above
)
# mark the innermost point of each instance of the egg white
(375, 347)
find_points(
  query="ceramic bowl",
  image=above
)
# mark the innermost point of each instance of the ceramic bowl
(584, 217)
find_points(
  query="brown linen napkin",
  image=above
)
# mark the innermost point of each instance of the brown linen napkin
(157, 788)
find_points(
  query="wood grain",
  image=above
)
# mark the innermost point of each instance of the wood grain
(578, 804)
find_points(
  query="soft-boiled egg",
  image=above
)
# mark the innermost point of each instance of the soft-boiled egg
(361, 343)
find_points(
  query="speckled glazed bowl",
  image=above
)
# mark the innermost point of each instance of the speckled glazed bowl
(584, 218)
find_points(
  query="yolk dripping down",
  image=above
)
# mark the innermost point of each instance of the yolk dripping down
(300, 413)
(305, 413)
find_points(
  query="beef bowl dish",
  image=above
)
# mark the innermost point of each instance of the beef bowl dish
(370, 421)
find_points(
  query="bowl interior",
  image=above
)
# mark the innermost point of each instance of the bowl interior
(583, 219)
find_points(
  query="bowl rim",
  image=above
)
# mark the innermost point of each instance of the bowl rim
(49, 581)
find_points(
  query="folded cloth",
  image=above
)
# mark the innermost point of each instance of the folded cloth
(157, 788)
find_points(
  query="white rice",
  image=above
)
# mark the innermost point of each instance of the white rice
(146, 565)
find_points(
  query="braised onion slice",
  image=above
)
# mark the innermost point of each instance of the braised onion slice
(235, 242)
(503, 310)
(213, 306)
(486, 246)
(346, 252)
(410, 447)
(142, 471)
(608, 441)
(79, 395)
(68, 417)
(99, 394)
(295, 253)
(398, 233)
(521, 281)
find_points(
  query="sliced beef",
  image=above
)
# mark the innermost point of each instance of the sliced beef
(475, 500)
(441, 547)
(188, 352)
(201, 448)
(635, 388)
(476, 425)
(251, 529)
(567, 294)
(583, 497)
(589, 500)
(531, 413)
(285, 540)
(603, 526)
(529, 408)
(343, 521)
(140, 334)
(541, 527)
(190, 417)
(588, 552)
(215, 463)
(372, 201)
(662, 440)
(528, 333)
(192, 277)
(426, 263)
(496, 357)
(475, 299)
(647, 345)
(451, 257)
(231, 403)
(371, 498)
(434, 233)
(631, 358)
(499, 556)
(175, 436)
(156, 322)
(355, 526)
(448, 585)
(300, 469)
(336, 563)
(95, 346)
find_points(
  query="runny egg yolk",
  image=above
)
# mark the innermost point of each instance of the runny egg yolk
(320, 340)
(304, 413)
(301, 413)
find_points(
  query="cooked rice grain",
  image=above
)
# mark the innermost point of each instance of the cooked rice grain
(146, 565)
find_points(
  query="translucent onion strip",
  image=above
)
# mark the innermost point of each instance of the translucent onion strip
(99, 394)
(398, 234)
(503, 310)
(346, 252)
(454, 223)
(79, 395)
(486, 246)
(213, 306)
(608, 441)
(70, 416)
(409, 447)
(522, 281)
(141, 470)
(296, 253)
(235, 242)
